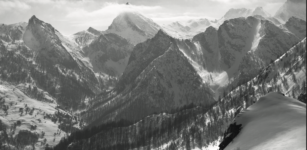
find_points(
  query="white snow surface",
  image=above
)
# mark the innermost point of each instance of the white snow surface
(13, 95)
(134, 27)
(275, 122)
(257, 37)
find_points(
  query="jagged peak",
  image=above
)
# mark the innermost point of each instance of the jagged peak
(94, 31)
(130, 17)
(90, 29)
(33, 20)
(33, 17)
(161, 33)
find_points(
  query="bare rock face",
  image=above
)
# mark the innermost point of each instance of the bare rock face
(44, 39)
(109, 53)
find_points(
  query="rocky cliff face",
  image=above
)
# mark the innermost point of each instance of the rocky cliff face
(44, 39)
(108, 54)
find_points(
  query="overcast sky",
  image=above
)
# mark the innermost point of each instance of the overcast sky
(71, 16)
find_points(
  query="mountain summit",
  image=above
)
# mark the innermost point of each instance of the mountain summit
(133, 26)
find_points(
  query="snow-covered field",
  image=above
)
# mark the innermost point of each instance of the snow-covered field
(275, 122)
(16, 100)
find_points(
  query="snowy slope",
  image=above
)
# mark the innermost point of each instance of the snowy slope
(133, 26)
(14, 98)
(274, 122)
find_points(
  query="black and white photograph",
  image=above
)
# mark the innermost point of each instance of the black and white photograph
(153, 75)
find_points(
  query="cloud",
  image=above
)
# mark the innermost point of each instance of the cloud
(110, 9)
(13, 6)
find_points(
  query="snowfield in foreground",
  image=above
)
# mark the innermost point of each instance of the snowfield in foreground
(48, 131)
(275, 122)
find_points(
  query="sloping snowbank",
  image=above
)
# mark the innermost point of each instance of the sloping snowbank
(275, 122)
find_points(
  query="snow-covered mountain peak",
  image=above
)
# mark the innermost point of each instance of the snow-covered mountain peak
(161, 33)
(48, 42)
(260, 11)
(236, 13)
(133, 26)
